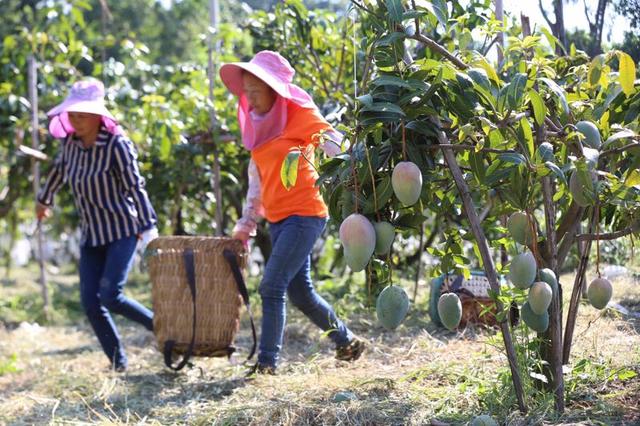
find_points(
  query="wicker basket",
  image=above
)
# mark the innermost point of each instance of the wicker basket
(477, 305)
(197, 294)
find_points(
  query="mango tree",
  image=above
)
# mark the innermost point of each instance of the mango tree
(552, 139)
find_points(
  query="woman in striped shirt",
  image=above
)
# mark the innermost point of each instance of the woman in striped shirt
(100, 165)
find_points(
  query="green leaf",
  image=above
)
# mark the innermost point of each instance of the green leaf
(627, 72)
(441, 11)
(289, 169)
(477, 166)
(482, 62)
(395, 9)
(513, 157)
(626, 133)
(633, 178)
(595, 70)
(559, 92)
(556, 170)
(528, 135)
(539, 108)
(383, 107)
(516, 90)
(390, 80)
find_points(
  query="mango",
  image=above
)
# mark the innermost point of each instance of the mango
(583, 195)
(522, 271)
(536, 322)
(539, 297)
(483, 420)
(450, 310)
(392, 306)
(548, 276)
(358, 238)
(591, 134)
(599, 292)
(385, 233)
(406, 180)
(520, 228)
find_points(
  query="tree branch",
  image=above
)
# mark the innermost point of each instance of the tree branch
(487, 260)
(434, 46)
(611, 235)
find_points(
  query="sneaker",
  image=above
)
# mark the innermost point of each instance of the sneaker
(258, 368)
(351, 351)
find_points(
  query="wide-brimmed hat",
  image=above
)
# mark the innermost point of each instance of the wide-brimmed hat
(271, 68)
(85, 96)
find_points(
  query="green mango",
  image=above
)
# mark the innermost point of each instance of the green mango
(591, 134)
(358, 238)
(599, 292)
(450, 310)
(549, 277)
(536, 322)
(539, 297)
(522, 271)
(385, 233)
(392, 306)
(406, 180)
(520, 228)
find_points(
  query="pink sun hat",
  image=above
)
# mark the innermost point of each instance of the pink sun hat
(85, 96)
(271, 68)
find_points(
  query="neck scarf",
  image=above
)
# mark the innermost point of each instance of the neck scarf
(257, 129)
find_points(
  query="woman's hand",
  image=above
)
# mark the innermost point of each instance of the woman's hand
(242, 236)
(42, 211)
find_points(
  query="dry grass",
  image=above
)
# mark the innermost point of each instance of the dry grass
(416, 375)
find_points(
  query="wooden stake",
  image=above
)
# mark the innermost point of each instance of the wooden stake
(35, 167)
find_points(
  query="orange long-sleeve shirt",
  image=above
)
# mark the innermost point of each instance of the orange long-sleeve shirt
(304, 197)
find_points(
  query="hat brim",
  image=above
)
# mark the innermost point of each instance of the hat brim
(91, 107)
(231, 75)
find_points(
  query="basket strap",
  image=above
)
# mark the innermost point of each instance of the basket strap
(230, 256)
(189, 265)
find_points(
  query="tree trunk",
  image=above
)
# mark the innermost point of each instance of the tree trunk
(559, 30)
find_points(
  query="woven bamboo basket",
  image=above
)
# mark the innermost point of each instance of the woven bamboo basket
(218, 300)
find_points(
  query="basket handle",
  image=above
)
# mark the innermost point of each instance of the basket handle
(189, 266)
(242, 288)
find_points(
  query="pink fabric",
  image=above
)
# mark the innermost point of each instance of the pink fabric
(258, 129)
(85, 96)
(60, 126)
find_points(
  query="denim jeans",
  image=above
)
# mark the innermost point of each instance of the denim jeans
(103, 273)
(288, 272)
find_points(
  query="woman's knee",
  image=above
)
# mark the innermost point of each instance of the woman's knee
(302, 298)
(270, 290)
(110, 294)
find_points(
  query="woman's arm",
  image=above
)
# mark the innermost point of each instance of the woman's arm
(126, 164)
(54, 181)
(332, 144)
(252, 211)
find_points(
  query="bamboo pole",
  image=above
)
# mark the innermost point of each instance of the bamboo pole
(35, 168)
(214, 13)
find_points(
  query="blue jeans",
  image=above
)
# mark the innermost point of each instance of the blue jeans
(288, 272)
(103, 272)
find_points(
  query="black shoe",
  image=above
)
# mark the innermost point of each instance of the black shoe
(258, 368)
(351, 351)
(120, 368)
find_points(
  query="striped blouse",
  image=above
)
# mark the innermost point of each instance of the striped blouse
(106, 185)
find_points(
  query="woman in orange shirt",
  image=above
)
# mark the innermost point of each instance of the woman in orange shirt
(277, 117)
